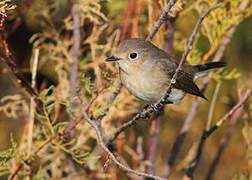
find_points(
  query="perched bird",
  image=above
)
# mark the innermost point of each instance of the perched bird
(146, 71)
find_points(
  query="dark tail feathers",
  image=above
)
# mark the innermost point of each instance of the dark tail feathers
(209, 66)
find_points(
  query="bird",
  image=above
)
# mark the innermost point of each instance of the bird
(146, 71)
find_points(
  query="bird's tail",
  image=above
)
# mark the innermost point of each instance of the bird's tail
(205, 68)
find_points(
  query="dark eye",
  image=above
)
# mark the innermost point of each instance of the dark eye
(133, 55)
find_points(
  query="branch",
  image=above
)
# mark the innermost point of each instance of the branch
(111, 155)
(211, 110)
(5, 55)
(207, 133)
(110, 101)
(75, 61)
(161, 20)
(74, 76)
(32, 109)
(126, 25)
(158, 105)
(152, 144)
(183, 132)
(226, 137)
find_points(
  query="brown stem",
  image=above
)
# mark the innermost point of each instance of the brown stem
(126, 25)
(225, 139)
(161, 20)
(111, 155)
(183, 132)
(207, 133)
(152, 144)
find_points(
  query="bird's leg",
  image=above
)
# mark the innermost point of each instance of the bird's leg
(145, 116)
(157, 109)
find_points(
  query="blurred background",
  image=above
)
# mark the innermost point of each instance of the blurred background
(40, 23)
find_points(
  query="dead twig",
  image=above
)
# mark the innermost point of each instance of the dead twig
(5, 55)
(183, 132)
(161, 20)
(126, 25)
(111, 155)
(206, 133)
(225, 139)
(74, 76)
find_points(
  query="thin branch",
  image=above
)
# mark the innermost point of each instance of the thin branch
(207, 133)
(183, 132)
(152, 144)
(75, 56)
(111, 155)
(134, 30)
(110, 101)
(32, 105)
(32, 108)
(161, 20)
(158, 105)
(211, 110)
(225, 139)
(74, 75)
(5, 55)
(126, 25)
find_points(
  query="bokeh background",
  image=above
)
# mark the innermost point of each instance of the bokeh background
(38, 16)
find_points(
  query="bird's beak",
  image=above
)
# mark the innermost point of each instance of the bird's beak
(112, 58)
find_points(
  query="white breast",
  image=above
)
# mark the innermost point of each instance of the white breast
(149, 87)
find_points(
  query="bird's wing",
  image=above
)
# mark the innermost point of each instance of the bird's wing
(185, 82)
(184, 79)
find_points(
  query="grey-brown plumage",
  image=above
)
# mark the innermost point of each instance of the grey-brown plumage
(146, 71)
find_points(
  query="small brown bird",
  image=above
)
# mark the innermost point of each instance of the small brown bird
(146, 71)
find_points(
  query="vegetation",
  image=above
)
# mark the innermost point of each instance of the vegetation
(65, 122)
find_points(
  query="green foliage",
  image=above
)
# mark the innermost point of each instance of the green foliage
(224, 74)
(6, 156)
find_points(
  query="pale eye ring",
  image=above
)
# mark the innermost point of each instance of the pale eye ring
(133, 56)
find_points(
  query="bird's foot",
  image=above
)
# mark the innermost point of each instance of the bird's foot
(158, 109)
(144, 115)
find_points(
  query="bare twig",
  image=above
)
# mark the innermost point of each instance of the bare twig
(5, 55)
(75, 56)
(207, 133)
(110, 101)
(134, 31)
(126, 25)
(182, 134)
(32, 106)
(152, 145)
(161, 20)
(111, 155)
(211, 110)
(225, 139)
(158, 105)
(74, 75)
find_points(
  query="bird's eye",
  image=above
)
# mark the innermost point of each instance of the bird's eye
(133, 55)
